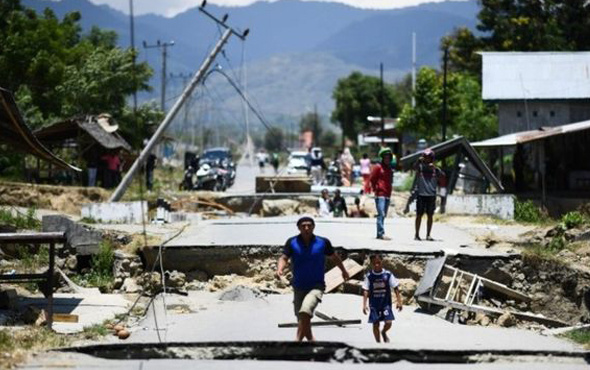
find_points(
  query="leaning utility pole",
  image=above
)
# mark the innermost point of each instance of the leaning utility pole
(164, 47)
(120, 190)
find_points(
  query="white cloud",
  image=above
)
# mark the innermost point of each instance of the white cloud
(170, 8)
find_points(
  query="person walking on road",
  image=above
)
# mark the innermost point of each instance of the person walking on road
(428, 176)
(307, 253)
(381, 182)
(377, 287)
(366, 173)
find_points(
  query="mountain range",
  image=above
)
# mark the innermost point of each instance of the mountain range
(295, 51)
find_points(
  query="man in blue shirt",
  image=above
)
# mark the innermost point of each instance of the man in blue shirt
(307, 254)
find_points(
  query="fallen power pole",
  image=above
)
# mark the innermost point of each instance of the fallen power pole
(120, 190)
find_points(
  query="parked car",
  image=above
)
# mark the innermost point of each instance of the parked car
(297, 163)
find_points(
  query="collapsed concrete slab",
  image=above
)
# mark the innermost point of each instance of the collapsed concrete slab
(84, 240)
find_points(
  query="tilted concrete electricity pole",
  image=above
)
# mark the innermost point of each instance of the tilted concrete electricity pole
(120, 190)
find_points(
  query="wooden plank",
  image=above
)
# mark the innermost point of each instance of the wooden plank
(321, 323)
(501, 288)
(64, 317)
(334, 276)
(493, 311)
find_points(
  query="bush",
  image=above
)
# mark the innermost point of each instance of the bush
(101, 269)
(528, 212)
(572, 219)
(20, 220)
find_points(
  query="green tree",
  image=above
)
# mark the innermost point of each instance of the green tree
(463, 46)
(274, 139)
(467, 114)
(358, 96)
(312, 122)
(56, 71)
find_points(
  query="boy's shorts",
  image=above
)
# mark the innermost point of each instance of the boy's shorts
(306, 301)
(381, 314)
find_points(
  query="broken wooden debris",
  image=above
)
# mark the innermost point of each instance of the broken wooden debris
(65, 317)
(321, 323)
(334, 276)
(460, 298)
(494, 311)
(326, 317)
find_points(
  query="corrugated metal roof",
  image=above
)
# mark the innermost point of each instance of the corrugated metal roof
(535, 75)
(450, 148)
(532, 135)
(15, 132)
(69, 129)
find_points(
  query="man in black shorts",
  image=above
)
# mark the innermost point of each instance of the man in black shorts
(428, 176)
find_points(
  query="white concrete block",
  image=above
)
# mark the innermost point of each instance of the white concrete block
(115, 212)
(497, 205)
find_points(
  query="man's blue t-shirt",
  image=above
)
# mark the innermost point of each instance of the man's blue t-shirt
(308, 261)
(379, 285)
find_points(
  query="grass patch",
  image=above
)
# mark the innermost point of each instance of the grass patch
(95, 331)
(580, 336)
(20, 220)
(15, 345)
(101, 269)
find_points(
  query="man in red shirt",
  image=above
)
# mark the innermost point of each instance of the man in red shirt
(381, 179)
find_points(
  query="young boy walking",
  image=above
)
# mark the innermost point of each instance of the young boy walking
(377, 290)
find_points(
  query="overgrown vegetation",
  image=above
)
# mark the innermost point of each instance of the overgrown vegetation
(101, 269)
(20, 220)
(15, 344)
(581, 336)
(528, 212)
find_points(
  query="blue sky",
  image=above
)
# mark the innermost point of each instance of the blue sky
(170, 8)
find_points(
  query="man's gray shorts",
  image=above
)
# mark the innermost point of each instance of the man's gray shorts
(306, 301)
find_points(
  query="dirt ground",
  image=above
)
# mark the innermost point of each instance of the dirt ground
(66, 199)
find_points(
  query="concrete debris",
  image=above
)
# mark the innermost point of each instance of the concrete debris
(175, 279)
(130, 286)
(82, 239)
(151, 282)
(240, 293)
(506, 320)
(125, 266)
(71, 263)
(280, 207)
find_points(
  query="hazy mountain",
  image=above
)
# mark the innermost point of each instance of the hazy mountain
(296, 50)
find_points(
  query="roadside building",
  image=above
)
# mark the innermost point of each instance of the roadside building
(544, 124)
(537, 89)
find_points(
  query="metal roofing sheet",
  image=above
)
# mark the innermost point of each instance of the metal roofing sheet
(14, 132)
(535, 75)
(532, 135)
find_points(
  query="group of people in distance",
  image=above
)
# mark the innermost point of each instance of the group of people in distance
(307, 253)
(378, 179)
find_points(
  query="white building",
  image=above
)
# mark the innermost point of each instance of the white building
(537, 89)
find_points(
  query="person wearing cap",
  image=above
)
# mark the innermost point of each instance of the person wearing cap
(307, 253)
(427, 179)
(381, 179)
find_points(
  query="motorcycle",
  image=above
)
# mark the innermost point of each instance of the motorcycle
(333, 177)
(211, 178)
